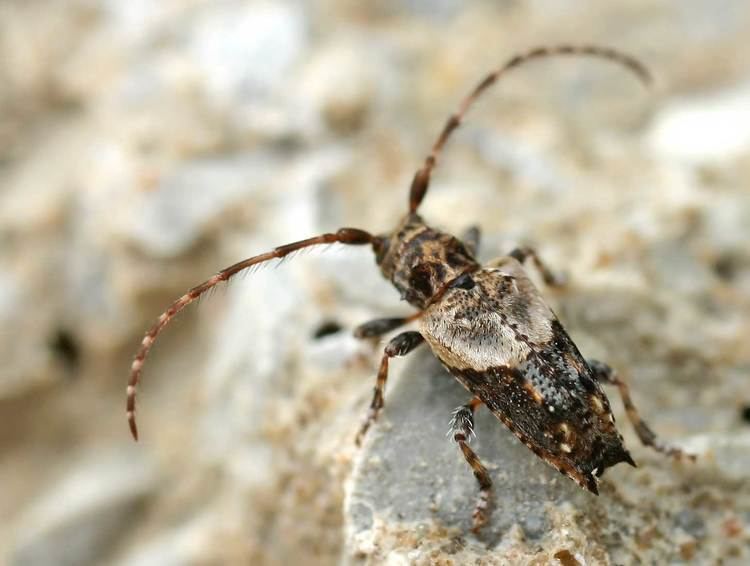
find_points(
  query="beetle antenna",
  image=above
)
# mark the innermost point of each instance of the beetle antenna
(421, 181)
(351, 236)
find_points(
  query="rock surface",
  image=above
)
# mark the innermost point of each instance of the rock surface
(411, 493)
(408, 473)
(145, 145)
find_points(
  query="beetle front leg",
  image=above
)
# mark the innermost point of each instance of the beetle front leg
(400, 345)
(550, 278)
(605, 374)
(462, 430)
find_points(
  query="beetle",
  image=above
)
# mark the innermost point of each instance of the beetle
(487, 324)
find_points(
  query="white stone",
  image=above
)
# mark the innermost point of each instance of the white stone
(76, 518)
(704, 128)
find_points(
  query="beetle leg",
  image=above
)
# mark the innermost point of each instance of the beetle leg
(400, 345)
(462, 430)
(550, 278)
(378, 327)
(605, 374)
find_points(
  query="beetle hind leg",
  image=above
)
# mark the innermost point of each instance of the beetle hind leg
(605, 374)
(462, 431)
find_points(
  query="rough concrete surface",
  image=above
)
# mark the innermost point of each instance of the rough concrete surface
(145, 145)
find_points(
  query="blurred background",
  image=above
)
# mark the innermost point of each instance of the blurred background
(145, 145)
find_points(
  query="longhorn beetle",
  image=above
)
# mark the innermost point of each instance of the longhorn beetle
(487, 324)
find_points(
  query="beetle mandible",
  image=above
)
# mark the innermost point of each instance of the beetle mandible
(487, 324)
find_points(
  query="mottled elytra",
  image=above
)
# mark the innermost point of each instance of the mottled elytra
(487, 324)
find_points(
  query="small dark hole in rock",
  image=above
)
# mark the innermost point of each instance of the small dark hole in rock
(726, 267)
(65, 346)
(326, 329)
(745, 411)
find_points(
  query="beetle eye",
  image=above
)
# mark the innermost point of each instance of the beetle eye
(420, 280)
(464, 281)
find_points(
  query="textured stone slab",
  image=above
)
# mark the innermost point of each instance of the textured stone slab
(410, 472)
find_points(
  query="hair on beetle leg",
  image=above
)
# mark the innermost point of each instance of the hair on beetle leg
(462, 424)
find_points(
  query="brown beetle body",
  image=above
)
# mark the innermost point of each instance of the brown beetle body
(488, 325)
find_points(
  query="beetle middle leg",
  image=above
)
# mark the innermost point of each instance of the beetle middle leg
(550, 278)
(462, 430)
(400, 345)
(605, 374)
(379, 326)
